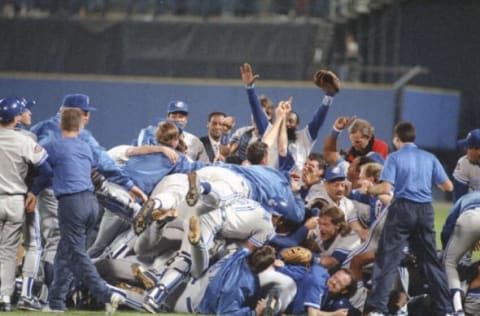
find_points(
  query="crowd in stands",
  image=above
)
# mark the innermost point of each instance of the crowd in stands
(241, 221)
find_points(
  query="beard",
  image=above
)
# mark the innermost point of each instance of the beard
(291, 134)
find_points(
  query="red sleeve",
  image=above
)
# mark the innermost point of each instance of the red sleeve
(379, 146)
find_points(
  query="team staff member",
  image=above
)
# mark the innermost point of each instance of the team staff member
(17, 152)
(410, 172)
(71, 161)
(49, 130)
(466, 176)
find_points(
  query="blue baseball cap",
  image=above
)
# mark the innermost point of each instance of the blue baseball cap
(78, 100)
(471, 141)
(177, 106)
(335, 173)
(9, 108)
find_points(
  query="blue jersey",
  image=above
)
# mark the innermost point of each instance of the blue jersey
(49, 130)
(467, 202)
(147, 170)
(266, 183)
(147, 136)
(311, 284)
(71, 160)
(412, 171)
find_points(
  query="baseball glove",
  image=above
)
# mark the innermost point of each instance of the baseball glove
(327, 81)
(297, 255)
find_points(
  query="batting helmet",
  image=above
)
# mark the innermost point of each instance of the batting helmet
(277, 206)
(9, 108)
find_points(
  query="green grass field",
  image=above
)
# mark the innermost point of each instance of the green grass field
(441, 212)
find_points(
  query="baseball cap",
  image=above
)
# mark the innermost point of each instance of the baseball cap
(335, 173)
(78, 100)
(177, 106)
(9, 108)
(376, 157)
(471, 141)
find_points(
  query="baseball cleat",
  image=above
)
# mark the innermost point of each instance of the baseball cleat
(193, 189)
(194, 233)
(272, 304)
(147, 277)
(144, 217)
(29, 304)
(164, 215)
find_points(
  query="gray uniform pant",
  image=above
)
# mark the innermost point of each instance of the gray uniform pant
(12, 210)
(32, 243)
(464, 237)
(47, 209)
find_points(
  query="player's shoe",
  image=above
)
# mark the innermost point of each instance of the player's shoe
(147, 277)
(29, 303)
(144, 217)
(5, 307)
(193, 189)
(272, 305)
(115, 300)
(194, 230)
(164, 215)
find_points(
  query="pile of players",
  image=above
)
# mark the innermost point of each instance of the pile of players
(250, 222)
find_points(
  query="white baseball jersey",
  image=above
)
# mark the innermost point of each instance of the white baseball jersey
(195, 149)
(17, 152)
(341, 247)
(301, 148)
(345, 204)
(467, 173)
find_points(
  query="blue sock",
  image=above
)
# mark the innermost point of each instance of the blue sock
(207, 188)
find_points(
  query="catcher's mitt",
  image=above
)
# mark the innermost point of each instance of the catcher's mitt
(327, 81)
(297, 255)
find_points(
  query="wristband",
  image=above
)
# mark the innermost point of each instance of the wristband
(225, 138)
(327, 100)
(335, 132)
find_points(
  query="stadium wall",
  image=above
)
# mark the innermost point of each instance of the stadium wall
(126, 105)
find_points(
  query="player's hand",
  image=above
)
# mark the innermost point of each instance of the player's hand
(364, 185)
(295, 182)
(30, 202)
(278, 263)
(218, 158)
(343, 122)
(171, 153)
(228, 123)
(248, 77)
(135, 193)
(260, 306)
(311, 223)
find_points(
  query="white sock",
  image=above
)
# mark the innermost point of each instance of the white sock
(157, 203)
(457, 301)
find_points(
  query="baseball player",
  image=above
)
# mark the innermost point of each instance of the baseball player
(48, 131)
(466, 176)
(300, 142)
(176, 111)
(242, 220)
(19, 151)
(460, 235)
(31, 229)
(317, 291)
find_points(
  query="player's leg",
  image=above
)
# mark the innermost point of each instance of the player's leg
(283, 285)
(47, 209)
(11, 220)
(31, 263)
(216, 187)
(464, 236)
(423, 245)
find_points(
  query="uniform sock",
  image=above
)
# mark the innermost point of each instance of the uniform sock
(457, 300)
(27, 285)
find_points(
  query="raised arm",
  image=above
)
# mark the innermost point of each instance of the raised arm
(330, 149)
(259, 116)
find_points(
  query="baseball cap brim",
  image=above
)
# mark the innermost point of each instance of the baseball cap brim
(462, 144)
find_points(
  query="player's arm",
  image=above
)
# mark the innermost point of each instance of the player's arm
(311, 311)
(446, 186)
(459, 189)
(171, 154)
(259, 116)
(330, 148)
